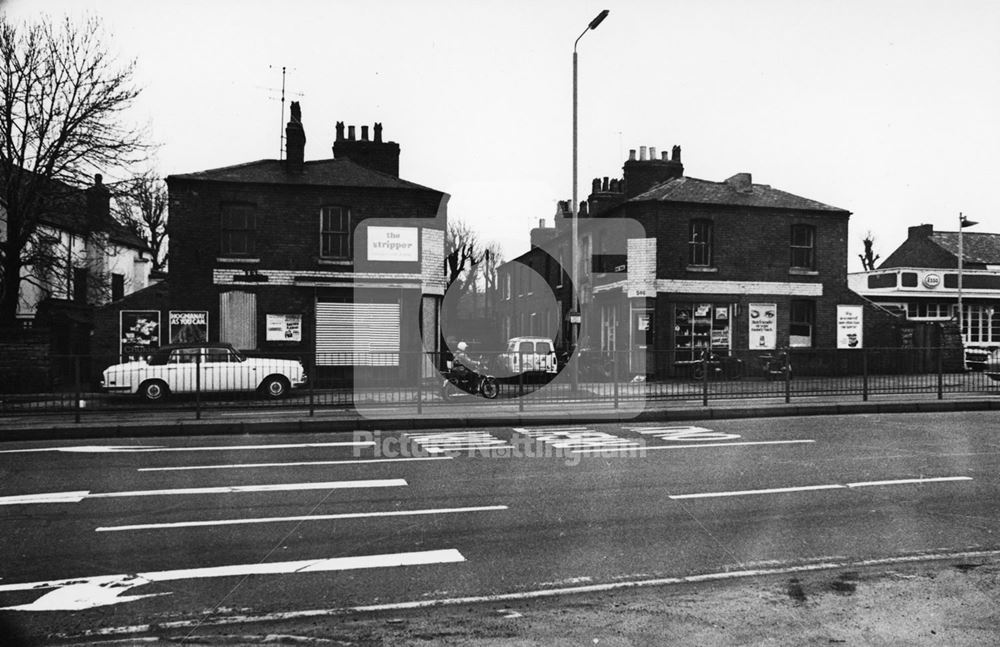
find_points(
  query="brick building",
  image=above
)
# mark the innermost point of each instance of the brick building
(678, 264)
(337, 261)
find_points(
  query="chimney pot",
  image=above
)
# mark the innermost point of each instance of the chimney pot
(340, 130)
(595, 185)
(605, 187)
(364, 133)
(350, 133)
(676, 157)
(631, 155)
(378, 133)
(652, 152)
(541, 223)
(642, 153)
(665, 156)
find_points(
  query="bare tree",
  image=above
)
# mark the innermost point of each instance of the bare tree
(62, 99)
(869, 257)
(141, 205)
(462, 254)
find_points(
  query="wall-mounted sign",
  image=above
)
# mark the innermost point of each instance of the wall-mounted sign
(763, 322)
(284, 328)
(188, 326)
(393, 244)
(931, 281)
(139, 333)
(849, 326)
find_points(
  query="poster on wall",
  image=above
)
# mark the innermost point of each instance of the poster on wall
(849, 327)
(139, 333)
(763, 326)
(284, 328)
(393, 244)
(188, 326)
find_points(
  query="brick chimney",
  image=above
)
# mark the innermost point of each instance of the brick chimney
(374, 154)
(643, 174)
(295, 141)
(919, 232)
(542, 234)
(98, 204)
(605, 195)
(741, 183)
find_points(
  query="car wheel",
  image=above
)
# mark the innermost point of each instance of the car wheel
(153, 390)
(275, 387)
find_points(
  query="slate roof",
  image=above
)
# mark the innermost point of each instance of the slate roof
(693, 190)
(328, 172)
(976, 247)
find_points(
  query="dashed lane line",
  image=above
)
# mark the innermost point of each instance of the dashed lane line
(644, 448)
(294, 464)
(830, 486)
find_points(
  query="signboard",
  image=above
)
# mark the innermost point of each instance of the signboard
(284, 328)
(849, 327)
(763, 326)
(188, 326)
(931, 281)
(139, 333)
(393, 244)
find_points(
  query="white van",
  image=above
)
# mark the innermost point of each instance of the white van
(528, 355)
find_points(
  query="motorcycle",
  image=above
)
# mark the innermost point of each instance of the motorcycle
(718, 367)
(774, 366)
(468, 382)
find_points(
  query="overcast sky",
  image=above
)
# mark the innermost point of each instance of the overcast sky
(887, 108)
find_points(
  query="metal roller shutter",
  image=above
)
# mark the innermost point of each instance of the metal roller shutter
(357, 334)
(238, 319)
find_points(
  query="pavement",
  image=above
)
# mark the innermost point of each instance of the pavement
(466, 412)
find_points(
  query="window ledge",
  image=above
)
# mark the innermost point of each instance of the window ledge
(333, 261)
(801, 271)
(701, 268)
(237, 259)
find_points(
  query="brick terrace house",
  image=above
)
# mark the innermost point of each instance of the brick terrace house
(732, 266)
(335, 261)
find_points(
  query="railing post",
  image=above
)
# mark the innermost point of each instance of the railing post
(76, 378)
(940, 373)
(197, 385)
(704, 378)
(420, 382)
(312, 384)
(520, 381)
(864, 374)
(788, 376)
(614, 374)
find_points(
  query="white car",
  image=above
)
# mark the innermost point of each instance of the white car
(528, 355)
(202, 367)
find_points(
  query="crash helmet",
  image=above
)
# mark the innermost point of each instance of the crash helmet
(462, 345)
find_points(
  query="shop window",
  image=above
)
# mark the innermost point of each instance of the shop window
(702, 326)
(335, 233)
(700, 243)
(239, 229)
(801, 324)
(803, 247)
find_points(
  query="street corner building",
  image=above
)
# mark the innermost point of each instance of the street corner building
(336, 262)
(671, 266)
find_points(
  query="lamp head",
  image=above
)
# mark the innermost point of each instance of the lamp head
(600, 18)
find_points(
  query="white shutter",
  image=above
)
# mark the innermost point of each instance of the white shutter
(238, 319)
(357, 334)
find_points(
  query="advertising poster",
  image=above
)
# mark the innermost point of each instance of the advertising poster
(763, 326)
(849, 325)
(188, 326)
(139, 333)
(393, 244)
(284, 328)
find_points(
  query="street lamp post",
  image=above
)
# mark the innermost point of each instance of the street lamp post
(963, 222)
(575, 316)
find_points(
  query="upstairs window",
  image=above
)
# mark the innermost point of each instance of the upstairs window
(803, 247)
(700, 243)
(335, 233)
(239, 229)
(117, 286)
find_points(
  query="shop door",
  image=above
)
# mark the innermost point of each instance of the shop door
(640, 333)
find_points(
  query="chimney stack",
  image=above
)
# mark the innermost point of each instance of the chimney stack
(98, 204)
(741, 183)
(295, 141)
(644, 173)
(376, 154)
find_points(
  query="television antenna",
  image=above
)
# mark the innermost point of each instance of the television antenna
(281, 124)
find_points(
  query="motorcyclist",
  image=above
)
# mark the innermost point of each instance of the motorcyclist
(463, 366)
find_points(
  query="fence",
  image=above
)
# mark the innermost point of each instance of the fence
(200, 382)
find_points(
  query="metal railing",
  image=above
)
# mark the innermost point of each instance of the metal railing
(617, 379)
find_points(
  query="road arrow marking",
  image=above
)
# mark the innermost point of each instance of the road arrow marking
(138, 449)
(76, 497)
(101, 590)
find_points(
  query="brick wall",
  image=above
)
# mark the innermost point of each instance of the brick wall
(25, 360)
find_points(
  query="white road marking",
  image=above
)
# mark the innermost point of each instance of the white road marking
(646, 448)
(440, 443)
(295, 464)
(831, 486)
(76, 497)
(683, 434)
(574, 436)
(317, 517)
(86, 592)
(822, 564)
(113, 449)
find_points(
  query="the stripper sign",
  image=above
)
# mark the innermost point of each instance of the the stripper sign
(393, 244)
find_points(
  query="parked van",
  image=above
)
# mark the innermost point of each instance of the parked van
(532, 356)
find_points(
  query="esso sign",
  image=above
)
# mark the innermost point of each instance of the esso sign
(931, 281)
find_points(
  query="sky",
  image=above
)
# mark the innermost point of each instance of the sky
(887, 108)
